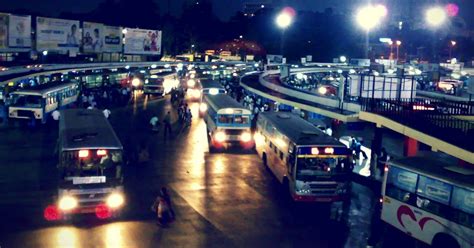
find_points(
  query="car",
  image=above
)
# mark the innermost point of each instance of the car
(449, 85)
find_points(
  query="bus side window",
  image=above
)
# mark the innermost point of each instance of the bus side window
(271, 145)
(281, 155)
(275, 149)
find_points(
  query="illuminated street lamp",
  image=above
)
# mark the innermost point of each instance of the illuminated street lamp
(343, 59)
(368, 18)
(436, 16)
(284, 20)
(399, 43)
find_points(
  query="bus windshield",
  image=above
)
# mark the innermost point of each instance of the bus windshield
(308, 169)
(26, 101)
(74, 165)
(234, 119)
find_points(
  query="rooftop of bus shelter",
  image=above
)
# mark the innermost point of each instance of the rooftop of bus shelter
(299, 130)
(82, 128)
(222, 101)
(209, 83)
(431, 165)
(45, 88)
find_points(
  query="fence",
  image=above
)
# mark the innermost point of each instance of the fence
(430, 117)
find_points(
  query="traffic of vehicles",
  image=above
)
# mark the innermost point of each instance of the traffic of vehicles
(431, 204)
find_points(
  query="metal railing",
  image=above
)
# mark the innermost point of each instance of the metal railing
(427, 118)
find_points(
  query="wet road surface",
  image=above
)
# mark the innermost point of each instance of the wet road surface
(220, 199)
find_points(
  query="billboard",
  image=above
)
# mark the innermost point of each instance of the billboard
(3, 30)
(112, 39)
(274, 59)
(93, 37)
(19, 31)
(142, 41)
(57, 35)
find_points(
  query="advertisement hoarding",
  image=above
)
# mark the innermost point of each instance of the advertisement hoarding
(112, 39)
(93, 37)
(142, 41)
(3, 30)
(274, 59)
(19, 32)
(57, 35)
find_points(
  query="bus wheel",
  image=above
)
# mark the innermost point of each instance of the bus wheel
(443, 240)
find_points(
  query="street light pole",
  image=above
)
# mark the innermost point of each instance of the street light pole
(398, 49)
(453, 43)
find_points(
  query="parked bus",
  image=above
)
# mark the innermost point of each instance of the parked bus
(228, 123)
(312, 165)
(209, 87)
(90, 165)
(430, 200)
(38, 102)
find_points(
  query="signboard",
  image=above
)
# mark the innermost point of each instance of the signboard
(381, 87)
(309, 58)
(19, 31)
(93, 37)
(142, 41)
(3, 30)
(274, 59)
(112, 39)
(57, 35)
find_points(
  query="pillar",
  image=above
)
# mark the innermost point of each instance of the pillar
(410, 147)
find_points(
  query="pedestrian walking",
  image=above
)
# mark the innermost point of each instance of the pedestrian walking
(84, 100)
(163, 208)
(154, 123)
(381, 160)
(167, 125)
(106, 112)
(55, 115)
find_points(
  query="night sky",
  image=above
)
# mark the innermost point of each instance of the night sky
(223, 8)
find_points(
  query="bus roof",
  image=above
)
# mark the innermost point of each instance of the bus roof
(223, 101)
(43, 89)
(436, 167)
(86, 129)
(209, 83)
(298, 130)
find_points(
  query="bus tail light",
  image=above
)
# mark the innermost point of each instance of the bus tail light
(101, 152)
(220, 136)
(83, 153)
(314, 151)
(52, 213)
(245, 137)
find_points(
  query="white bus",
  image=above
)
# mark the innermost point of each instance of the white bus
(430, 200)
(90, 166)
(38, 102)
(160, 84)
(313, 166)
(228, 123)
(209, 87)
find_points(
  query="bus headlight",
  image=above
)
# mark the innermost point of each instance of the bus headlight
(203, 107)
(135, 82)
(67, 203)
(191, 83)
(245, 137)
(220, 136)
(115, 200)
